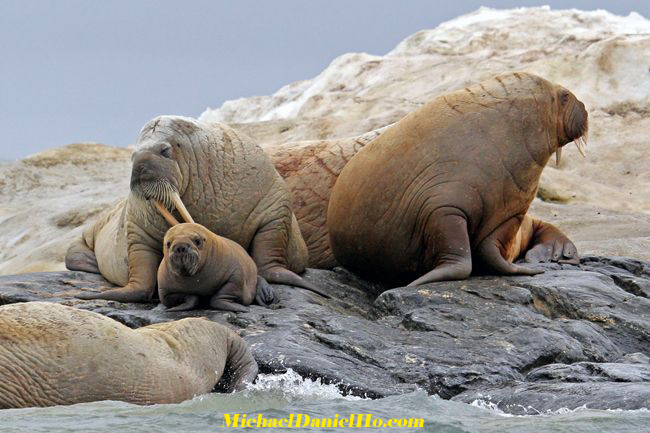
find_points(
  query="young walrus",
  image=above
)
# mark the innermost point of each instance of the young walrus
(199, 264)
(447, 189)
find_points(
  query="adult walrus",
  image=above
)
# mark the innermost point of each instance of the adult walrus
(57, 355)
(309, 169)
(449, 185)
(224, 179)
(199, 264)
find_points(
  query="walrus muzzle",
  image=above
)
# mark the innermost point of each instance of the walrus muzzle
(153, 179)
(184, 260)
(576, 128)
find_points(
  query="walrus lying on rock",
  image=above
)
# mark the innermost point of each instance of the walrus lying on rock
(57, 355)
(225, 180)
(447, 189)
(199, 264)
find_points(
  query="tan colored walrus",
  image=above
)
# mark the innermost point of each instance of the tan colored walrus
(447, 188)
(310, 169)
(57, 355)
(226, 181)
(199, 264)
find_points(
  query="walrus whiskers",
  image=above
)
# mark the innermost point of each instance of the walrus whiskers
(581, 144)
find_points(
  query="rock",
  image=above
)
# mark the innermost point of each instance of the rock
(536, 398)
(572, 336)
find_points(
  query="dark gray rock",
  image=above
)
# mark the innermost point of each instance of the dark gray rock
(573, 336)
(540, 398)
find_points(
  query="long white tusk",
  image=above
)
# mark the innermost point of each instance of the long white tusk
(165, 213)
(178, 203)
(581, 144)
(558, 156)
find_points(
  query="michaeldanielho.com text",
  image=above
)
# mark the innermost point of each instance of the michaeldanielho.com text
(302, 420)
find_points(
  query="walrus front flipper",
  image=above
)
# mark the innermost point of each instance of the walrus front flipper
(143, 263)
(264, 295)
(81, 258)
(549, 244)
(240, 369)
(123, 294)
(189, 303)
(278, 275)
(491, 255)
(448, 238)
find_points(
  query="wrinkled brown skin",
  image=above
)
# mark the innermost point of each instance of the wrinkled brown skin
(445, 190)
(197, 263)
(51, 354)
(227, 183)
(310, 169)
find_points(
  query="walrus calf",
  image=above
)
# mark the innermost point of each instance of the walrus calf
(199, 264)
(446, 189)
(224, 180)
(57, 355)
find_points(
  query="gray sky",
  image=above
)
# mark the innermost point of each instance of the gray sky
(76, 70)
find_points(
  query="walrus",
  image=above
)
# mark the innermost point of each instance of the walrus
(200, 264)
(57, 355)
(309, 169)
(447, 189)
(222, 178)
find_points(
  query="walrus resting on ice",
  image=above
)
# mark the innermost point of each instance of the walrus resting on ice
(225, 180)
(199, 264)
(57, 355)
(447, 188)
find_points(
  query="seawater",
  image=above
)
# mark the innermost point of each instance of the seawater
(280, 395)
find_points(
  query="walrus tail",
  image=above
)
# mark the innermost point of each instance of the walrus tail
(284, 276)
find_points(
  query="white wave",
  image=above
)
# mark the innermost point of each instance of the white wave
(294, 387)
(487, 404)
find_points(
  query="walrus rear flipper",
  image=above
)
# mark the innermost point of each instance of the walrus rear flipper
(81, 258)
(278, 275)
(549, 244)
(241, 368)
(264, 295)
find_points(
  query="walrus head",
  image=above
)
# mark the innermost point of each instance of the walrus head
(183, 246)
(156, 174)
(573, 123)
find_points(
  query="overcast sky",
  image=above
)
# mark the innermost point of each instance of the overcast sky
(77, 70)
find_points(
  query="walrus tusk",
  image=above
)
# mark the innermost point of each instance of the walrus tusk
(176, 199)
(581, 144)
(558, 156)
(165, 213)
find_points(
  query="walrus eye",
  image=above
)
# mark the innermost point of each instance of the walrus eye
(166, 151)
(169, 244)
(198, 242)
(564, 98)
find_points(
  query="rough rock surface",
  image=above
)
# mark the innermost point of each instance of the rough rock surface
(572, 336)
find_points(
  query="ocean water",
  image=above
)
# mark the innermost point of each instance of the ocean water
(280, 395)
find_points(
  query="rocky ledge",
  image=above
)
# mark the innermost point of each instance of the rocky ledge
(572, 336)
